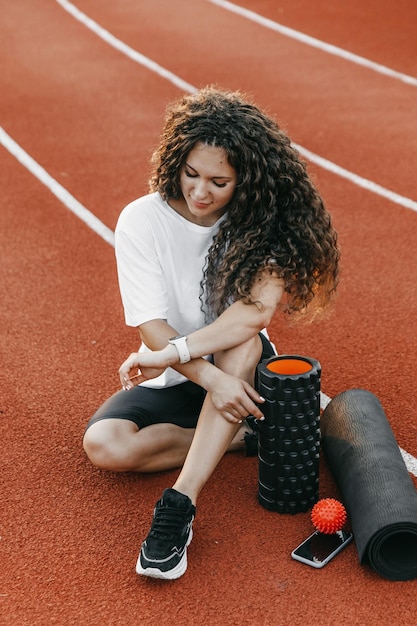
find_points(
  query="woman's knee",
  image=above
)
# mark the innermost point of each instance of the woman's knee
(97, 448)
(104, 447)
(242, 359)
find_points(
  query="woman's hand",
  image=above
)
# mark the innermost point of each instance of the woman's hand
(149, 365)
(235, 398)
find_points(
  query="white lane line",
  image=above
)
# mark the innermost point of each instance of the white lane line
(311, 156)
(124, 48)
(56, 188)
(315, 43)
(365, 183)
(106, 233)
(410, 462)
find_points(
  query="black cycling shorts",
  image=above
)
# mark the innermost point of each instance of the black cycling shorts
(180, 404)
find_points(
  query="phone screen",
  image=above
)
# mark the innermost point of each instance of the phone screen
(319, 548)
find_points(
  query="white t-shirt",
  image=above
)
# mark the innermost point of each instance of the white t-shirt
(160, 258)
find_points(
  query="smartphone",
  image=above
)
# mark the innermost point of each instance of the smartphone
(319, 548)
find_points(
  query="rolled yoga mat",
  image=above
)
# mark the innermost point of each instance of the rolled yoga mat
(376, 488)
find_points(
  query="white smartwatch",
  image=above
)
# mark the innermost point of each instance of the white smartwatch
(180, 342)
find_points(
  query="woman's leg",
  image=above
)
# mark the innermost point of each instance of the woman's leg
(128, 433)
(163, 554)
(213, 433)
(119, 445)
(144, 429)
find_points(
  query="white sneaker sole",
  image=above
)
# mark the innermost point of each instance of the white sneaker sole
(172, 574)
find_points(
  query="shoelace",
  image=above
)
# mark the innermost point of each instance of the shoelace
(167, 522)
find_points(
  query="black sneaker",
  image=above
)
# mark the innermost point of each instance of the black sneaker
(251, 438)
(164, 551)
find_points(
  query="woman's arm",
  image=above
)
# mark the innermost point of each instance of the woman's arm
(236, 325)
(239, 323)
(234, 398)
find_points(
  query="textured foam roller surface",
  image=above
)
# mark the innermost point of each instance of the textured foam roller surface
(289, 437)
(377, 490)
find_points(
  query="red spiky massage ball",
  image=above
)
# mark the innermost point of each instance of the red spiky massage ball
(328, 516)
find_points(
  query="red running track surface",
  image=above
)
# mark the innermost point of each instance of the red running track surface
(91, 116)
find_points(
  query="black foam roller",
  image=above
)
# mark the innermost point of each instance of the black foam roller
(289, 438)
(376, 488)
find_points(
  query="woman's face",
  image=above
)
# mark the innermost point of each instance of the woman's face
(207, 182)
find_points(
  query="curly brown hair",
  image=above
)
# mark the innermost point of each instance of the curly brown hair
(276, 219)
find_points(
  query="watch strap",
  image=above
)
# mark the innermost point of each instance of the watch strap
(180, 342)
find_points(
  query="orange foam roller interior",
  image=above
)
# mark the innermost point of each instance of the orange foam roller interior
(289, 367)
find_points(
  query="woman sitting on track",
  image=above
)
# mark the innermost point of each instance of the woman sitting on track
(232, 224)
